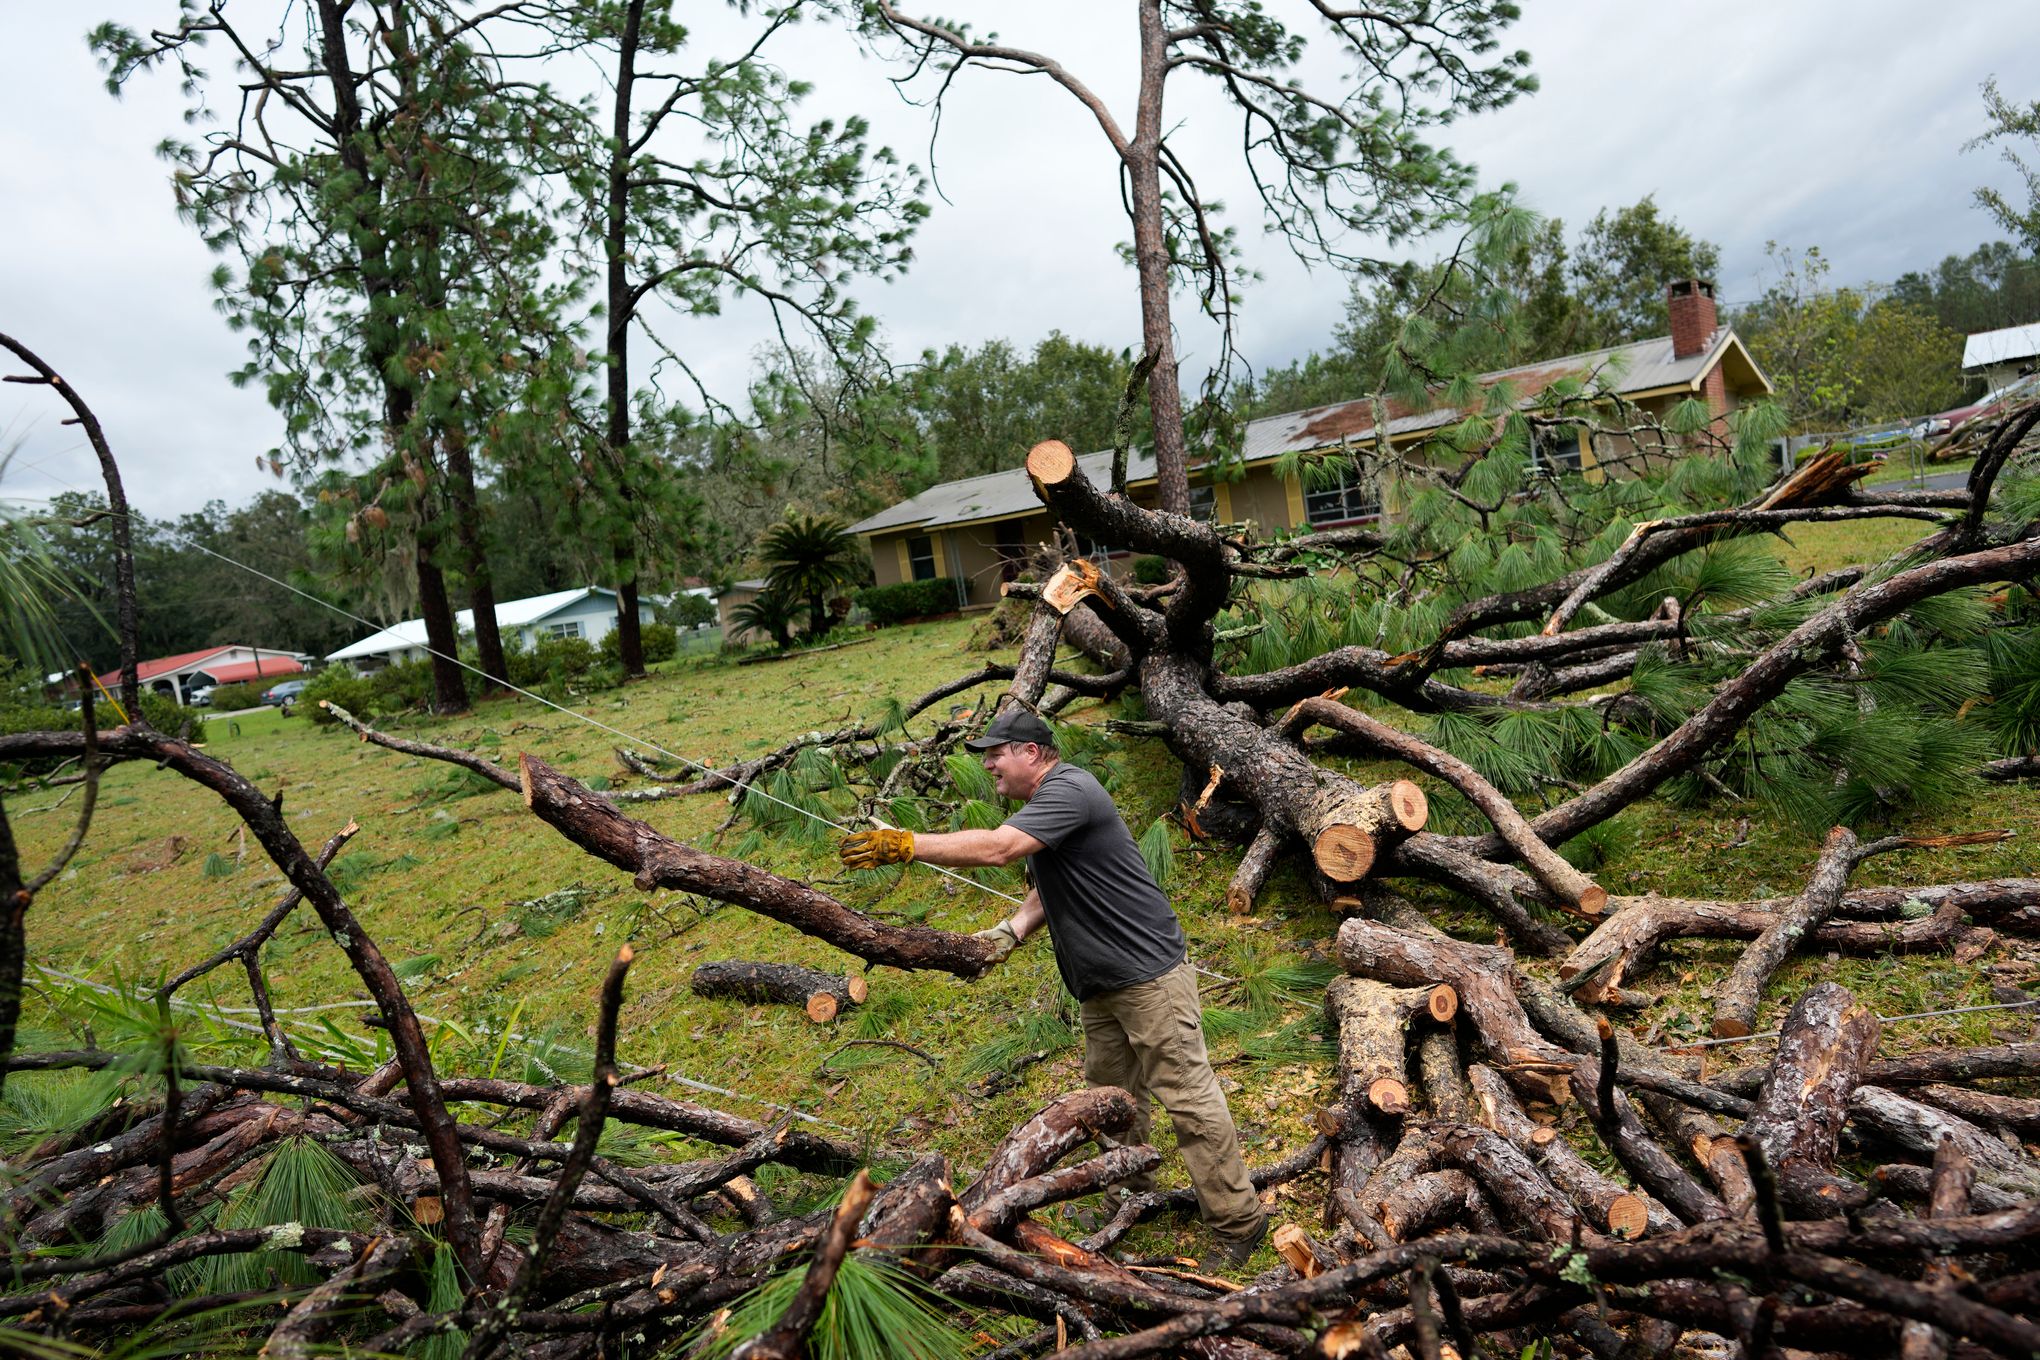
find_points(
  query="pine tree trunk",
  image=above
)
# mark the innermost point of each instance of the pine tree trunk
(442, 635)
(1151, 263)
(467, 518)
(13, 939)
(622, 306)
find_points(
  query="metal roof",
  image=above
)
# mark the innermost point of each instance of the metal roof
(1997, 347)
(509, 614)
(992, 496)
(1644, 366)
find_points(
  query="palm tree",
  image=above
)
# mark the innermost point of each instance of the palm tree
(770, 612)
(807, 556)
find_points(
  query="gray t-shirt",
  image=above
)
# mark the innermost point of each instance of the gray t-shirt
(1111, 926)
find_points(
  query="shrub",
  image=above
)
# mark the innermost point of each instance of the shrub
(661, 642)
(233, 698)
(405, 685)
(164, 713)
(908, 600)
(338, 685)
(687, 610)
(1150, 570)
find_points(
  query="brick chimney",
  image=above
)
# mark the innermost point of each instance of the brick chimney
(1691, 303)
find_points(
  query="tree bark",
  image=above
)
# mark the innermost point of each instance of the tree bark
(1613, 1209)
(1736, 997)
(467, 519)
(820, 994)
(657, 861)
(620, 312)
(1142, 159)
(1826, 1041)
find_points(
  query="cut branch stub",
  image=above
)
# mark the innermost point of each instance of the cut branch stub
(1050, 462)
(1350, 829)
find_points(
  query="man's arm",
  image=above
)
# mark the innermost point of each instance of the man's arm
(974, 849)
(1030, 916)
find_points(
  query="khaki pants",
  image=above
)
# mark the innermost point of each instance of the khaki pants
(1148, 1040)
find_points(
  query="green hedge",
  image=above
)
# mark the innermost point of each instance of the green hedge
(231, 698)
(908, 600)
(661, 642)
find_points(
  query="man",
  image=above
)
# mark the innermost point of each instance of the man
(1118, 944)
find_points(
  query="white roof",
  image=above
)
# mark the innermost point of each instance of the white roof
(509, 614)
(1997, 347)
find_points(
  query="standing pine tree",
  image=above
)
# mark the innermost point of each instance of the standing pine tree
(700, 188)
(374, 182)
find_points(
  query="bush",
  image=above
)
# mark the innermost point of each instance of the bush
(405, 685)
(908, 600)
(232, 698)
(1150, 570)
(554, 660)
(687, 610)
(338, 685)
(661, 642)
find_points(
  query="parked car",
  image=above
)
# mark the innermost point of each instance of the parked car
(200, 697)
(284, 693)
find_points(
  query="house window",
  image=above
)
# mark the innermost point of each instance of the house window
(1093, 549)
(571, 628)
(1554, 452)
(1352, 497)
(921, 557)
(1204, 502)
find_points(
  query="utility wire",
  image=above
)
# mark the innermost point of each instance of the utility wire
(747, 786)
(1883, 1019)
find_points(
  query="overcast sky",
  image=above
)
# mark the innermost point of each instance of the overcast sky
(1836, 123)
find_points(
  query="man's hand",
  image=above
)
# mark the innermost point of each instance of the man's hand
(1003, 938)
(870, 849)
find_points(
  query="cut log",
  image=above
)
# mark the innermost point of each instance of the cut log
(1646, 1159)
(1736, 998)
(1483, 980)
(1826, 1041)
(1616, 1209)
(1953, 1174)
(1253, 871)
(1446, 1092)
(821, 994)
(1513, 1183)
(1922, 1130)
(1425, 1203)
(1346, 830)
(2018, 1116)
(1061, 1127)
(1050, 462)
(1550, 869)
(1372, 1021)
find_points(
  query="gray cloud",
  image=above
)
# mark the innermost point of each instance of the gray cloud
(1836, 124)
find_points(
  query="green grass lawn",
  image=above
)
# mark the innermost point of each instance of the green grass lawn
(503, 930)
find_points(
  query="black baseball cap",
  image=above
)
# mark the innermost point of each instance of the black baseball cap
(1014, 723)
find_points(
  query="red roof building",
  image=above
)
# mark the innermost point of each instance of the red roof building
(233, 663)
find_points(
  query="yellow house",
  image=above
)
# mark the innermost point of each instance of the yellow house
(974, 532)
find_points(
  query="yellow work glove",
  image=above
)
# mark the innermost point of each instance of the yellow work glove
(869, 849)
(1003, 938)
